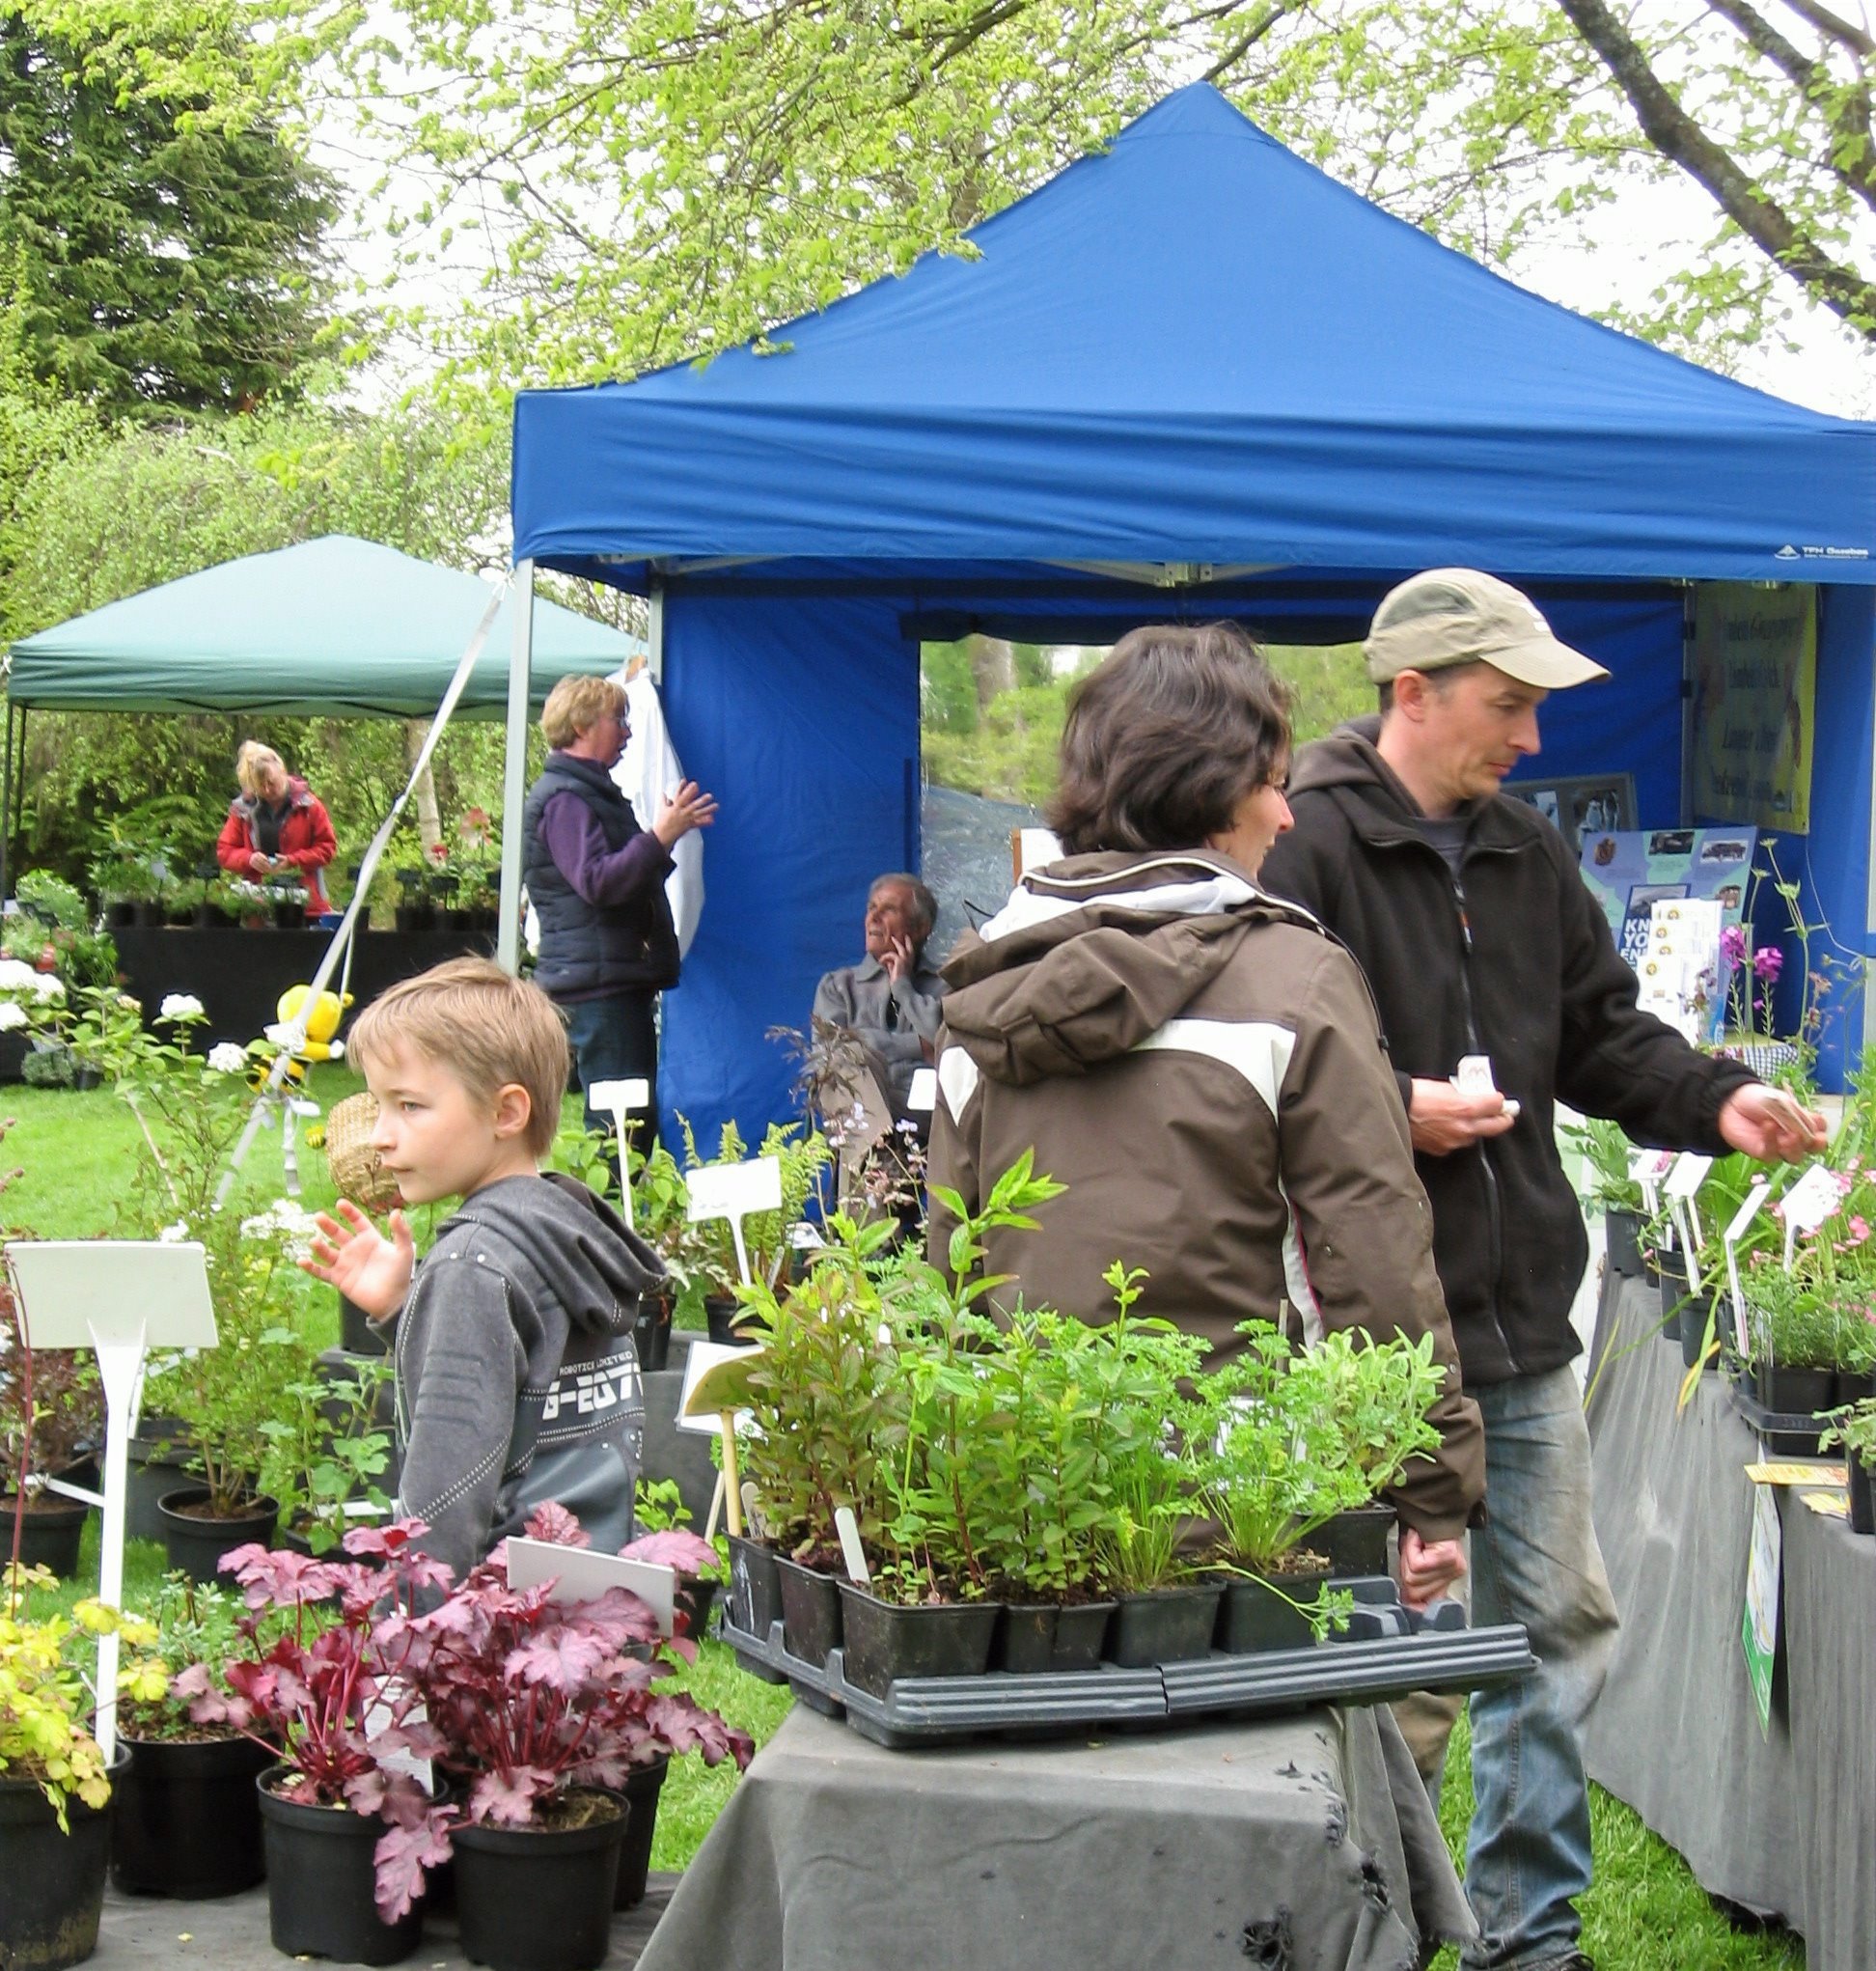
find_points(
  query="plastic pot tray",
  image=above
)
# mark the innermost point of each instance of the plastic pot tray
(1784, 1434)
(1384, 1654)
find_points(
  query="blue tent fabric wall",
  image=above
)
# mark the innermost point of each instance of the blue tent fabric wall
(803, 718)
(1190, 377)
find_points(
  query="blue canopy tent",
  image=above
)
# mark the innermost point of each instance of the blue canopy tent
(1190, 377)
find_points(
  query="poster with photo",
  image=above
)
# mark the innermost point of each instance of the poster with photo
(1582, 806)
(1630, 871)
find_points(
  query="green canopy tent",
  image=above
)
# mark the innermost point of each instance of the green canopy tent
(335, 627)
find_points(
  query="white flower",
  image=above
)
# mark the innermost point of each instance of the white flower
(335, 1051)
(128, 1004)
(175, 1234)
(12, 1014)
(181, 1005)
(293, 1227)
(225, 1057)
(279, 1035)
(46, 986)
(16, 976)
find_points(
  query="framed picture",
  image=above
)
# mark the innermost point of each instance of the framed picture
(1582, 807)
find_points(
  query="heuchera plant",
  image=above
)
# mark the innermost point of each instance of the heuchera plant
(515, 1696)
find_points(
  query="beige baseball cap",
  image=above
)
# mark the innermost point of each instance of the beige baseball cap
(1460, 616)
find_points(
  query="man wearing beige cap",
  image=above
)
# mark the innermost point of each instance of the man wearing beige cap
(1500, 988)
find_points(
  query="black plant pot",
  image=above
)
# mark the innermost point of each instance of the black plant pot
(52, 1884)
(1853, 1385)
(642, 1788)
(1164, 1625)
(290, 916)
(321, 1883)
(1793, 1391)
(651, 1334)
(208, 917)
(539, 1898)
(810, 1611)
(157, 1454)
(1035, 1636)
(1624, 1233)
(86, 1076)
(185, 1819)
(49, 1534)
(120, 914)
(356, 1334)
(721, 1316)
(1863, 1505)
(1255, 1615)
(694, 1598)
(460, 922)
(196, 1544)
(1694, 1315)
(754, 1587)
(148, 915)
(1356, 1541)
(885, 1640)
(416, 916)
(1668, 1272)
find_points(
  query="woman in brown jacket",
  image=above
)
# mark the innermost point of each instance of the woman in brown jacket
(1200, 1063)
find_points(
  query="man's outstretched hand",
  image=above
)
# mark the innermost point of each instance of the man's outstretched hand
(372, 1271)
(1442, 1119)
(1771, 1124)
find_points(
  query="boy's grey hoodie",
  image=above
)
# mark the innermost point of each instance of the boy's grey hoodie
(517, 1381)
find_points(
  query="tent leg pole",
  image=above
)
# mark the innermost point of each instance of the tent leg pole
(514, 776)
(654, 636)
(6, 809)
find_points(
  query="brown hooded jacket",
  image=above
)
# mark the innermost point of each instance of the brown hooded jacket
(1202, 1066)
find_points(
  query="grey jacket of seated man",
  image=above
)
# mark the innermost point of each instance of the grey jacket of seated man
(898, 1019)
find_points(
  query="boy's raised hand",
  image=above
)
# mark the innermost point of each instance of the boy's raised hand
(372, 1271)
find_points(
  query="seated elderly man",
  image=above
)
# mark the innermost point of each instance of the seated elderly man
(891, 1000)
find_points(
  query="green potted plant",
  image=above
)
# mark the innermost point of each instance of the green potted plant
(127, 886)
(54, 1783)
(326, 1451)
(1854, 1427)
(185, 1817)
(51, 1423)
(1606, 1153)
(1794, 1337)
(707, 1251)
(1380, 1394)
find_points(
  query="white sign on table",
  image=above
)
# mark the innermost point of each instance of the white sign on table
(580, 1574)
(119, 1297)
(736, 1191)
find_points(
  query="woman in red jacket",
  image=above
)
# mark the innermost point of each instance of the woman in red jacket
(276, 827)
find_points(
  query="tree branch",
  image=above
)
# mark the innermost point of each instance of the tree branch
(1843, 32)
(1682, 142)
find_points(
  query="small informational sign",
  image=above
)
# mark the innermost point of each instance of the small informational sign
(1754, 702)
(1760, 1630)
(579, 1574)
(736, 1191)
(1741, 1224)
(702, 1357)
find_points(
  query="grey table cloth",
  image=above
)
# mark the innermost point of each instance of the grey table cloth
(1785, 1822)
(1296, 1843)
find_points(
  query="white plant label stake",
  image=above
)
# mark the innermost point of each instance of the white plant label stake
(1742, 1221)
(1808, 1203)
(736, 1191)
(1686, 1178)
(851, 1551)
(117, 1296)
(1647, 1168)
(619, 1100)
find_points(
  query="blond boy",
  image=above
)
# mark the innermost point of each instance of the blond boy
(517, 1380)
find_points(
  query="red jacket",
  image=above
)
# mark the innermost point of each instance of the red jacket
(306, 839)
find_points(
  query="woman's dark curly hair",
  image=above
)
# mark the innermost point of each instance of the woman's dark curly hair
(1166, 736)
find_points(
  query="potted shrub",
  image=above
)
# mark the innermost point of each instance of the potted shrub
(1380, 1394)
(185, 1818)
(127, 886)
(286, 902)
(54, 1785)
(1794, 1342)
(414, 910)
(707, 1251)
(1606, 1153)
(542, 1711)
(664, 1541)
(1854, 1427)
(347, 1826)
(819, 1394)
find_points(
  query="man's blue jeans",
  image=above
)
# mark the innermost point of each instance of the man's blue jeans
(1535, 1562)
(616, 1039)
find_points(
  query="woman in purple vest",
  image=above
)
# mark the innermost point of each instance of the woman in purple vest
(597, 882)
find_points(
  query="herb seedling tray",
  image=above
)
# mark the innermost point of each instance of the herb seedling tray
(1381, 1656)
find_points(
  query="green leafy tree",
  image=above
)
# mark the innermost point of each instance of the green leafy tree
(160, 261)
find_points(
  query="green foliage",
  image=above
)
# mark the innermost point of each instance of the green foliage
(158, 263)
(705, 1252)
(1605, 1151)
(325, 1448)
(1854, 1427)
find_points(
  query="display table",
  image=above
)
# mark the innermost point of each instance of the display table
(240, 974)
(1304, 1842)
(1783, 1823)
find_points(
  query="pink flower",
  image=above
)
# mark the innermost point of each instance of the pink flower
(1859, 1230)
(1768, 962)
(1732, 944)
(1845, 1182)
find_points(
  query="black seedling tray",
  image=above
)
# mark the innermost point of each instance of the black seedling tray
(1784, 1434)
(1385, 1654)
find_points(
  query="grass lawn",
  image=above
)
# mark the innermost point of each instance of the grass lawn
(77, 1153)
